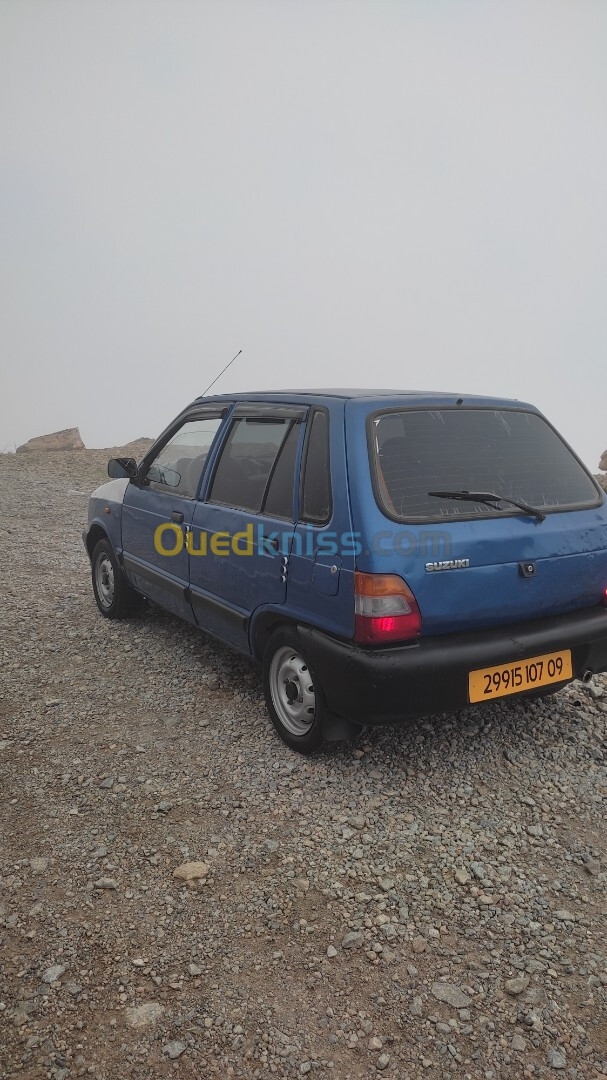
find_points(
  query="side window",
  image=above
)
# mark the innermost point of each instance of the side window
(177, 468)
(316, 500)
(279, 497)
(247, 460)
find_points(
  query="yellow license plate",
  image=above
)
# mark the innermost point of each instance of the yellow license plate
(494, 682)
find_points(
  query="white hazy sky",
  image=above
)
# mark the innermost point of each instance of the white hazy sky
(381, 193)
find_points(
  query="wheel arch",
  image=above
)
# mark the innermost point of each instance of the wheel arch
(263, 626)
(94, 535)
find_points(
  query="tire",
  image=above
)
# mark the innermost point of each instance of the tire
(293, 696)
(115, 597)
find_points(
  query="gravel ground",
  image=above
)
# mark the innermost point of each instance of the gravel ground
(426, 902)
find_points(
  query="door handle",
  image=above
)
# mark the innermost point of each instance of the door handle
(177, 516)
(270, 541)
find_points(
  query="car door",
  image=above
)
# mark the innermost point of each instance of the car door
(242, 529)
(158, 508)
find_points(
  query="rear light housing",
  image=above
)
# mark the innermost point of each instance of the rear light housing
(385, 609)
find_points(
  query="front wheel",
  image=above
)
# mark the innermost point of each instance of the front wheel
(115, 597)
(293, 696)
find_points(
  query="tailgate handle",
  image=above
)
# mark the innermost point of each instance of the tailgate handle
(177, 516)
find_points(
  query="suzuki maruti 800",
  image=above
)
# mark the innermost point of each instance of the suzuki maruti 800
(384, 555)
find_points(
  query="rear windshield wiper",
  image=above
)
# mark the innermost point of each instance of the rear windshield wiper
(488, 497)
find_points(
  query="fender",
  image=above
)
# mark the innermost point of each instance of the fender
(105, 515)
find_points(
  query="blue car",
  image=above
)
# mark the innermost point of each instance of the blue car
(383, 555)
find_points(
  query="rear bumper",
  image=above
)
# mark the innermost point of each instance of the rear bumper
(390, 685)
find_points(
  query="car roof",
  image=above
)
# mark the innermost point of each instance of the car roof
(367, 398)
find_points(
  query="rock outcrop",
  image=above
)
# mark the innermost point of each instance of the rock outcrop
(138, 448)
(603, 462)
(68, 439)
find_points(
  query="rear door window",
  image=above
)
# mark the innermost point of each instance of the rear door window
(278, 500)
(247, 461)
(505, 452)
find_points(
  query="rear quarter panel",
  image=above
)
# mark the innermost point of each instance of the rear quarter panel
(316, 594)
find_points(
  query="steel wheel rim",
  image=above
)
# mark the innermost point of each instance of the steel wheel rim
(292, 691)
(104, 579)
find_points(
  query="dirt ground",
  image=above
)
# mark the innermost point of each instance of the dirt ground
(427, 901)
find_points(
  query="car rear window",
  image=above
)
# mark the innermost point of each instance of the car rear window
(504, 452)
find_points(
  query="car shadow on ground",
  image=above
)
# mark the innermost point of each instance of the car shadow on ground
(501, 730)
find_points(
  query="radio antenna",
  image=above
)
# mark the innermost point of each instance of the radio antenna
(221, 372)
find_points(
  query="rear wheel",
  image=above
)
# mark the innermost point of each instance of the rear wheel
(115, 597)
(293, 696)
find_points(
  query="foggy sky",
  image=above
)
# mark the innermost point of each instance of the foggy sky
(380, 193)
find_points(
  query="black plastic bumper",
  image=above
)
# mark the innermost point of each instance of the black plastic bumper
(374, 686)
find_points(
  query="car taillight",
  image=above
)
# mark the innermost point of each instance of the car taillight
(605, 596)
(385, 609)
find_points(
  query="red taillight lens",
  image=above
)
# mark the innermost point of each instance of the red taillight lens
(605, 597)
(385, 609)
